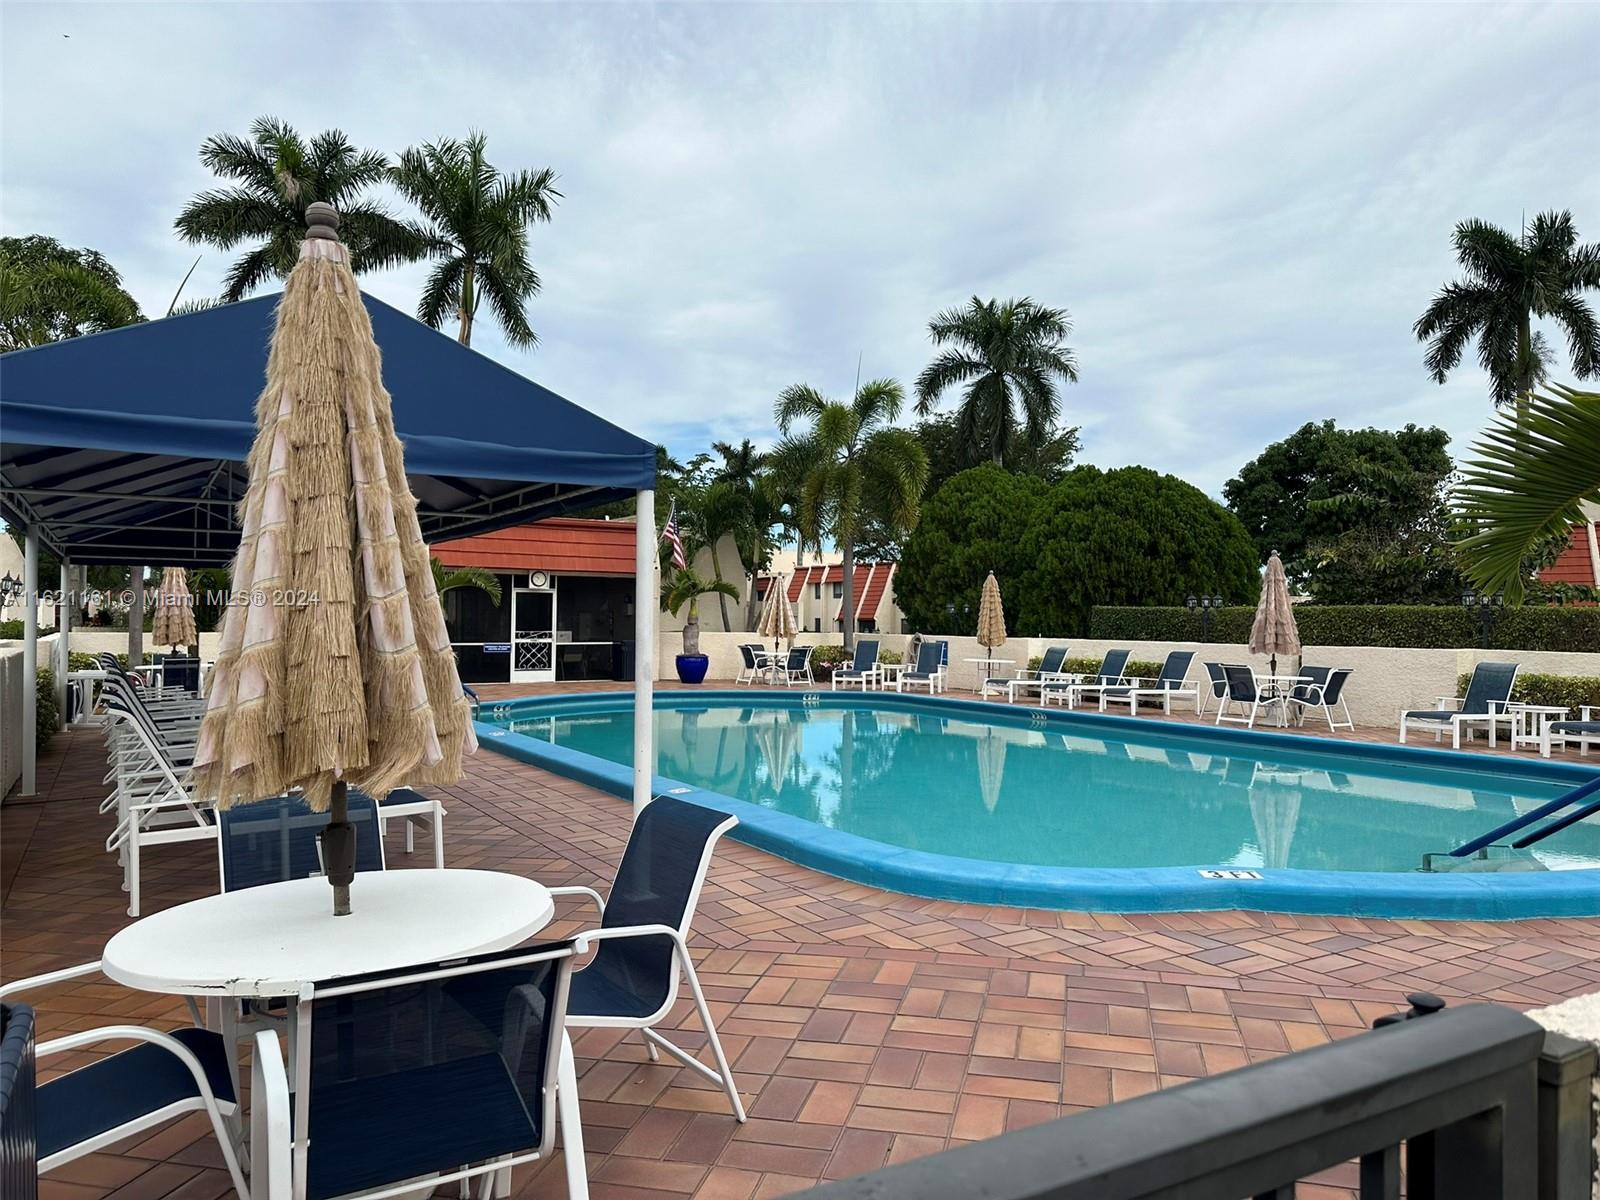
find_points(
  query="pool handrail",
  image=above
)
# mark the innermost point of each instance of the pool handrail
(1528, 818)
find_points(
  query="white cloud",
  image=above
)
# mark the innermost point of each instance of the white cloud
(1243, 207)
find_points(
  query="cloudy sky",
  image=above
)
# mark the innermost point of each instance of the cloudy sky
(1244, 207)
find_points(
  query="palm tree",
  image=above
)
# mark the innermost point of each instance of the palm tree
(1529, 482)
(723, 512)
(741, 464)
(682, 587)
(277, 174)
(49, 292)
(1008, 355)
(479, 233)
(1509, 281)
(847, 463)
(448, 579)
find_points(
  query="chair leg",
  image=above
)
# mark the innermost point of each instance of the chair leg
(438, 837)
(650, 1047)
(723, 1073)
(571, 1122)
(131, 846)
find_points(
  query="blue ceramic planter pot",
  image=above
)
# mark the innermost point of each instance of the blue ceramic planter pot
(692, 668)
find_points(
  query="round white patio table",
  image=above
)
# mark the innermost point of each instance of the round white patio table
(267, 941)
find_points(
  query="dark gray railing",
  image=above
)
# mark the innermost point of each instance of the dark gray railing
(1460, 1090)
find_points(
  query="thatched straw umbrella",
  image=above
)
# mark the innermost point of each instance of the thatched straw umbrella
(991, 616)
(1274, 631)
(335, 667)
(173, 624)
(777, 614)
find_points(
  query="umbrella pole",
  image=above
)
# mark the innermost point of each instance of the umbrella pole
(339, 849)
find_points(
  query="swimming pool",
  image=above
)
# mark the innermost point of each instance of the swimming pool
(991, 803)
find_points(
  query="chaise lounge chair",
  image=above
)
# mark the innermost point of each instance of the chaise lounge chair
(1486, 702)
(1166, 685)
(1582, 731)
(1067, 688)
(926, 671)
(1028, 679)
(863, 670)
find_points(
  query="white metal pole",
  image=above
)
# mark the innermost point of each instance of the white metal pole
(63, 637)
(30, 661)
(136, 619)
(645, 599)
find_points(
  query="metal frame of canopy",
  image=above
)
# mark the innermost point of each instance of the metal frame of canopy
(128, 447)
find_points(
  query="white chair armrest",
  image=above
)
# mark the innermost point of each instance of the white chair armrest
(581, 941)
(134, 1033)
(18, 986)
(578, 890)
(1458, 701)
(271, 1129)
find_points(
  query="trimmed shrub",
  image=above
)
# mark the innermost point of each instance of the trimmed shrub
(1127, 536)
(47, 716)
(1423, 627)
(1564, 691)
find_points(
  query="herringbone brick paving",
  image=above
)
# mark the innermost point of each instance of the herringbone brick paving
(865, 1027)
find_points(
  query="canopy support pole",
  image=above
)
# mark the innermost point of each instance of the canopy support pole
(136, 619)
(63, 639)
(644, 646)
(29, 784)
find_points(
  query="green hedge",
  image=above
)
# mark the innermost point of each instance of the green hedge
(1565, 691)
(1424, 627)
(47, 716)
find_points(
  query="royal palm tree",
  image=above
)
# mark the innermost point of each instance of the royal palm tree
(848, 462)
(479, 222)
(741, 464)
(276, 175)
(682, 587)
(1508, 282)
(1529, 479)
(1010, 356)
(49, 292)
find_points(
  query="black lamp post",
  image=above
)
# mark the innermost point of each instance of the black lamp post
(10, 588)
(1205, 604)
(1487, 606)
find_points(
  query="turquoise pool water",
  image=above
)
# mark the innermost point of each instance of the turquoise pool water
(1005, 786)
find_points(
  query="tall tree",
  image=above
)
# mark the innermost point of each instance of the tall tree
(741, 464)
(1010, 357)
(276, 174)
(49, 291)
(949, 454)
(1508, 282)
(848, 462)
(1371, 489)
(478, 231)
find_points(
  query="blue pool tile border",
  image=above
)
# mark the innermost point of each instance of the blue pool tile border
(1480, 897)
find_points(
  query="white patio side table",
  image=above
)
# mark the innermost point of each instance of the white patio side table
(1530, 724)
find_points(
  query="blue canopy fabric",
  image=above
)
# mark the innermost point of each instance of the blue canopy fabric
(129, 445)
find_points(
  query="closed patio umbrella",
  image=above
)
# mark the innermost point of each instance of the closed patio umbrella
(335, 666)
(777, 614)
(1274, 631)
(991, 616)
(173, 623)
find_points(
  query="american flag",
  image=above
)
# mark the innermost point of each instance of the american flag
(671, 534)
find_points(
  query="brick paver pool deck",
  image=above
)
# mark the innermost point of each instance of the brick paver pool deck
(865, 1027)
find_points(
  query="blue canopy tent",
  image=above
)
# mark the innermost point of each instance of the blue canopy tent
(129, 446)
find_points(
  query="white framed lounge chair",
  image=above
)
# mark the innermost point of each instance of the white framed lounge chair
(927, 671)
(1486, 703)
(1163, 689)
(796, 666)
(1583, 732)
(1069, 689)
(1243, 701)
(863, 669)
(1030, 679)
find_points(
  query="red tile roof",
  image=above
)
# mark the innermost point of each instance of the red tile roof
(569, 545)
(1575, 564)
(871, 581)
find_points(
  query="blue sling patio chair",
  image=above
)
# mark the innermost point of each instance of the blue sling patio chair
(1215, 687)
(162, 1076)
(1067, 689)
(1583, 731)
(1244, 693)
(927, 671)
(275, 840)
(863, 670)
(1486, 703)
(1162, 689)
(1325, 691)
(796, 666)
(1028, 679)
(642, 942)
(450, 1071)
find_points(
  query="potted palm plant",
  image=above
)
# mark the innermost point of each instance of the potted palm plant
(682, 587)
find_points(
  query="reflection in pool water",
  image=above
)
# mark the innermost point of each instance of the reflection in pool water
(1010, 790)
